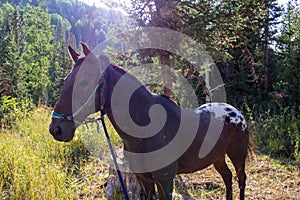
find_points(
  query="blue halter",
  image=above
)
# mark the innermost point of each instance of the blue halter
(56, 115)
(70, 118)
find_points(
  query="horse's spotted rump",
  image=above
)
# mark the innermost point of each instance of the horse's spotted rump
(223, 110)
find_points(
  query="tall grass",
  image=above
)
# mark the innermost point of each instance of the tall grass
(32, 165)
(278, 133)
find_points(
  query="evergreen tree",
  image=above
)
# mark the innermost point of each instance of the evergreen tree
(11, 36)
(38, 52)
(231, 31)
(288, 76)
(60, 63)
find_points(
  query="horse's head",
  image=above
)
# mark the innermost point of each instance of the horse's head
(80, 95)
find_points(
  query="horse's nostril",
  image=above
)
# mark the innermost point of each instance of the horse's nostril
(57, 130)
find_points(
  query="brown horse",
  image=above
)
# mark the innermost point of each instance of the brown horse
(197, 146)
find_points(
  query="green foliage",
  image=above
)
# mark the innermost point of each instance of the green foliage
(8, 109)
(10, 41)
(11, 110)
(288, 80)
(278, 134)
(34, 166)
(28, 162)
(33, 43)
(277, 127)
(26, 50)
(60, 63)
(58, 21)
(38, 52)
(237, 34)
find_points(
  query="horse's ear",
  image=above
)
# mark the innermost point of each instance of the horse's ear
(73, 54)
(85, 49)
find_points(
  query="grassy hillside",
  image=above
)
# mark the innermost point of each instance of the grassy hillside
(34, 166)
(31, 164)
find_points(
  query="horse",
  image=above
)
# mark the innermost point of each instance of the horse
(233, 139)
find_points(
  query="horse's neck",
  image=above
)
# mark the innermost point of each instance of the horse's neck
(122, 81)
(122, 101)
(136, 115)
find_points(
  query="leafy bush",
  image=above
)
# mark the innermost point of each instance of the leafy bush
(279, 134)
(12, 109)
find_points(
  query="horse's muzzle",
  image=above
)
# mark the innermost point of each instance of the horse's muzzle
(62, 131)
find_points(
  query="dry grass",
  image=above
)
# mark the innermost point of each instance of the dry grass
(267, 179)
(34, 166)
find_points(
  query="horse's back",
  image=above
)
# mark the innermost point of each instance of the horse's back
(220, 126)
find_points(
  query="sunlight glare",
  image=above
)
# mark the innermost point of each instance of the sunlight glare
(105, 3)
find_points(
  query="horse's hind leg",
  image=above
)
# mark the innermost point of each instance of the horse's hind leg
(237, 152)
(239, 165)
(240, 170)
(226, 174)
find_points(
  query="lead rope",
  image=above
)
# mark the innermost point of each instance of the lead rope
(113, 155)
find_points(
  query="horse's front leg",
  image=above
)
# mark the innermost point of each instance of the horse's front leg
(164, 181)
(148, 190)
(165, 189)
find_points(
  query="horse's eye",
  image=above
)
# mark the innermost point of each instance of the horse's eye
(84, 82)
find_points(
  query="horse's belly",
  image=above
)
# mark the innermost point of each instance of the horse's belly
(193, 160)
(192, 163)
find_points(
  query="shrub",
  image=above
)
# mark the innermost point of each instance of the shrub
(278, 134)
(12, 109)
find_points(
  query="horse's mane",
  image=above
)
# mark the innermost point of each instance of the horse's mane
(121, 70)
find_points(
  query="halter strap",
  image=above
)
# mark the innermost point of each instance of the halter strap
(56, 115)
(89, 99)
(70, 118)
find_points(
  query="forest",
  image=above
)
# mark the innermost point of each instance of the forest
(255, 45)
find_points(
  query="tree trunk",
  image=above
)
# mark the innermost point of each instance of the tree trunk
(113, 189)
(166, 76)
